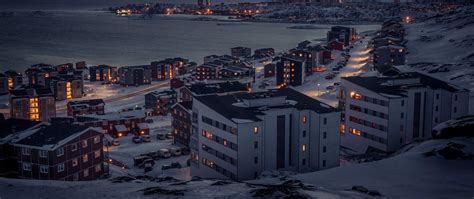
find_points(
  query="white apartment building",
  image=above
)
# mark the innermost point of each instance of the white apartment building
(383, 113)
(239, 136)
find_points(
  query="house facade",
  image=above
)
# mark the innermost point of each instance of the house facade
(61, 152)
(240, 136)
(384, 113)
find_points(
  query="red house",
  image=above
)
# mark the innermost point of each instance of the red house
(61, 151)
(336, 45)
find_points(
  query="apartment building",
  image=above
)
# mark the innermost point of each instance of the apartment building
(14, 79)
(32, 103)
(60, 152)
(239, 136)
(134, 75)
(384, 113)
(241, 52)
(169, 68)
(161, 102)
(181, 122)
(343, 34)
(103, 73)
(385, 57)
(12, 128)
(290, 71)
(264, 52)
(86, 107)
(66, 86)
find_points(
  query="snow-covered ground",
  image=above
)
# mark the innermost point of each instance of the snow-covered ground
(128, 150)
(417, 172)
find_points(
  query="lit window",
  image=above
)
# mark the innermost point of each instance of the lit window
(225, 142)
(255, 130)
(305, 119)
(84, 143)
(356, 96)
(96, 139)
(303, 147)
(85, 158)
(354, 131)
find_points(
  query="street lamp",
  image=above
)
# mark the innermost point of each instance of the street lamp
(318, 89)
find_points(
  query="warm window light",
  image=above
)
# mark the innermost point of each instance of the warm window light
(356, 96)
(303, 147)
(355, 131)
(255, 130)
(305, 119)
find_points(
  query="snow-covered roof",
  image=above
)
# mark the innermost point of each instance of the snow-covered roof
(120, 128)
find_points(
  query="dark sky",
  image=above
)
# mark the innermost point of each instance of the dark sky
(88, 4)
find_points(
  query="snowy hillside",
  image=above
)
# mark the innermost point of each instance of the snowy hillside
(428, 170)
(443, 46)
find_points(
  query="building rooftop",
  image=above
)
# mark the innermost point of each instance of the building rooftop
(50, 136)
(216, 88)
(11, 126)
(396, 86)
(31, 91)
(248, 106)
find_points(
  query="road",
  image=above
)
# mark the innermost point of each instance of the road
(139, 91)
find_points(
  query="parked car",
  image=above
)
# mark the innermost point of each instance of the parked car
(164, 153)
(176, 165)
(329, 77)
(139, 160)
(137, 139)
(113, 143)
(169, 136)
(146, 138)
(330, 88)
(175, 151)
(337, 83)
(152, 155)
(148, 167)
(185, 151)
(146, 161)
(149, 120)
(166, 167)
(161, 136)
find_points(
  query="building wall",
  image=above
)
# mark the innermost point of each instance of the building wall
(54, 160)
(3, 85)
(181, 125)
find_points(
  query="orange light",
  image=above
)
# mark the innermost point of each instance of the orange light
(120, 134)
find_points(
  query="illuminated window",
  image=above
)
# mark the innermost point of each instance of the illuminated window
(207, 134)
(303, 147)
(84, 143)
(354, 131)
(85, 158)
(342, 128)
(225, 142)
(356, 96)
(97, 154)
(305, 119)
(255, 130)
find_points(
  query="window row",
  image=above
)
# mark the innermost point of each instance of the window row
(367, 123)
(219, 140)
(219, 155)
(219, 169)
(368, 111)
(219, 125)
(368, 136)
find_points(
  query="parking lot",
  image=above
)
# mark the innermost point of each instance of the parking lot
(128, 150)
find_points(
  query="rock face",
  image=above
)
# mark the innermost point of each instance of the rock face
(452, 151)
